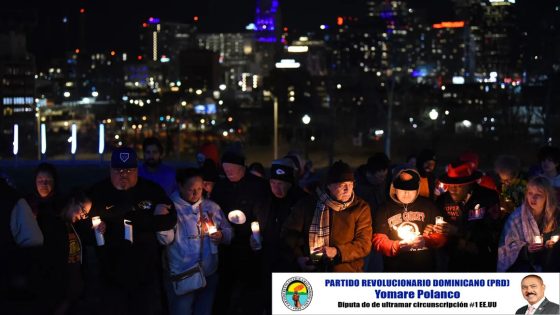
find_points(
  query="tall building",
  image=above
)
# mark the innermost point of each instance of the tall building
(236, 55)
(268, 30)
(267, 21)
(17, 89)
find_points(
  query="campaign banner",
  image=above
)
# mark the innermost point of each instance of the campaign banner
(412, 293)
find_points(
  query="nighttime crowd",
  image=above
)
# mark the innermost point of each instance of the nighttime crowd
(150, 239)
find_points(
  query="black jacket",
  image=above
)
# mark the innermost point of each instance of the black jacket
(476, 245)
(418, 214)
(271, 218)
(248, 195)
(123, 263)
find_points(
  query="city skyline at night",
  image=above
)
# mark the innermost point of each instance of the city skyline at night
(384, 69)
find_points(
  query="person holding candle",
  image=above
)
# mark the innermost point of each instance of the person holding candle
(472, 217)
(284, 193)
(330, 231)
(130, 272)
(526, 238)
(241, 195)
(201, 226)
(64, 249)
(402, 227)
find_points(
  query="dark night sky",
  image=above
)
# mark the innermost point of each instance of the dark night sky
(114, 24)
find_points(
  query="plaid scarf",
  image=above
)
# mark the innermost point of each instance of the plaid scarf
(319, 231)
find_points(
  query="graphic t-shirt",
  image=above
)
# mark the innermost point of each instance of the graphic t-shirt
(74, 244)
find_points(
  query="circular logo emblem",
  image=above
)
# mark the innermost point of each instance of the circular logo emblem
(297, 293)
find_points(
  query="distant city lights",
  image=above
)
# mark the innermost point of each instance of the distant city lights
(339, 20)
(153, 20)
(458, 80)
(298, 49)
(287, 64)
(433, 114)
(454, 24)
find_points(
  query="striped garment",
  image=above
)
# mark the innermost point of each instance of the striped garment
(319, 231)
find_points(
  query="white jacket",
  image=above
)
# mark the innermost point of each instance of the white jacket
(183, 242)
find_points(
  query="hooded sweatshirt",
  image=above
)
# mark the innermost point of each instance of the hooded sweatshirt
(391, 224)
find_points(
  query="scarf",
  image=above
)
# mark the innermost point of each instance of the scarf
(319, 231)
(520, 229)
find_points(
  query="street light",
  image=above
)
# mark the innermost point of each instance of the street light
(43, 140)
(433, 114)
(306, 119)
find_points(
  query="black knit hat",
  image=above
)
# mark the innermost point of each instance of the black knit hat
(283, 169)
(209, 171)
(339, 172)
(407, 180)
(379, 161)
(233, 157)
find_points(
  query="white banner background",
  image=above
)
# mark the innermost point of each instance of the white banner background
(325, 299)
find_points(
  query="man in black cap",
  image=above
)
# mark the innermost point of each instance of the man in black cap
(331, 231)
(130, 266)
(284, 194)
(241, 195)
(472, 227)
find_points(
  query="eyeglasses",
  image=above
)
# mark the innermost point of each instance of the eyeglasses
(83, 212)
(123, 170)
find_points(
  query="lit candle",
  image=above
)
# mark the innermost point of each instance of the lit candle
(128, 230)
(211, 229)
(439, 220)
(95, 221)
(477, 211)
(555, 238)
(256, 233)
(537, 239)
(316, 257)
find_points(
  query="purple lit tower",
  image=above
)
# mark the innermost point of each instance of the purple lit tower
(267, 34)
(267, 21)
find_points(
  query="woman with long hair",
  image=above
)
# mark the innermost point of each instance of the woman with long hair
(527, 236)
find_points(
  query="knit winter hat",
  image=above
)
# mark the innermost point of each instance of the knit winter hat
(233, 157)
(407, 180)
(379, 161)
(339, 172)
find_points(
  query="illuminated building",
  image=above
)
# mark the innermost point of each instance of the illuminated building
(17, 88)
(267, 21)
(267, 30)
(236, 55)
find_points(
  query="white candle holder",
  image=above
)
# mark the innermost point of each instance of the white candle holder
(99, 238)
(128, 230)
(256, 233)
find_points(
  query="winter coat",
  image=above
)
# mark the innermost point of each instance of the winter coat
(350, 233)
